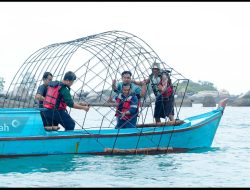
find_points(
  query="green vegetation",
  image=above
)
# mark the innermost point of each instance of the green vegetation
(196, 87)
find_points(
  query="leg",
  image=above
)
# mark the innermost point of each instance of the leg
(158, 109)
(171, 114)
(49, 121)
(120, 123)
(65, 120)
(47, 117)
(157, 120)
(131, 123)
(43, 118)
(171, 117)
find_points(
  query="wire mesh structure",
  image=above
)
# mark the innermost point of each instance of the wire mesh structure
(96, 60)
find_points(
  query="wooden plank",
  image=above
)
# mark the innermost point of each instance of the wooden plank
(168, 123)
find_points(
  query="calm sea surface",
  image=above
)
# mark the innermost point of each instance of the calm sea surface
(225, 164)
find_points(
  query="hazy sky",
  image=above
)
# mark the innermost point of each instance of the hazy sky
(207, 41)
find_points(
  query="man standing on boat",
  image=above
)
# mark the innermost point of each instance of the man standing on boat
(42, 89)
(127, 108)
(41, 92)
(162, 88)
(164, 104)
(58, 97)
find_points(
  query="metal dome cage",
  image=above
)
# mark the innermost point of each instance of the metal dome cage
(96, 60)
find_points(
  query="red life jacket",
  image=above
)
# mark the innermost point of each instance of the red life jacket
(52, 98)
(168, 92)
(123, 106)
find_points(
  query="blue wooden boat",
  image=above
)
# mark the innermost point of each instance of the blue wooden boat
(22, 134)
(97, 60)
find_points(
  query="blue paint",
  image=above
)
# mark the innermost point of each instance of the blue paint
(26, 135)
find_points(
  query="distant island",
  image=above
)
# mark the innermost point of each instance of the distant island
(206, 93)
(203, 92)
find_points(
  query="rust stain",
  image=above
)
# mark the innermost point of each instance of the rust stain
(77, 146)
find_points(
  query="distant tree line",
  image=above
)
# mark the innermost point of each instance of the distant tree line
(194, 87)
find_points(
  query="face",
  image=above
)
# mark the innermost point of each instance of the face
(155, 71)
(126, 78)
(46, 81)
(69, 82)
(126, 90)
(164, 77)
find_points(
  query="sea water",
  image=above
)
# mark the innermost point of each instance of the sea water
(225, 164)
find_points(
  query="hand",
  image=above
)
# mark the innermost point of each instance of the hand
(144, 82)
(83, 103)
(86, 108)
(110, 100)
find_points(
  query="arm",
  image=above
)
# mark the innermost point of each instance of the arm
(143, 89)
(163, 85)
(160, 88)
(69, 101)
(39, 94)
(114, 87)
(166, 89)
(81, 107)
(141, 83)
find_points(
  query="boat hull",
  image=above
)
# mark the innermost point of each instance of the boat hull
(148, 140)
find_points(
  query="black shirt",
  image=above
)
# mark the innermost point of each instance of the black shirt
(42, 90)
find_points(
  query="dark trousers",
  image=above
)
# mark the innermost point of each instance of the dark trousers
(130, 123)
(55, 117)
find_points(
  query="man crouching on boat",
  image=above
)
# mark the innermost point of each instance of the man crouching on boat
(127, 108)
(58, 97)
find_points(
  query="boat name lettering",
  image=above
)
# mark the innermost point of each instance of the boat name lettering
(4, 127)
(11, 124)
(15, 123)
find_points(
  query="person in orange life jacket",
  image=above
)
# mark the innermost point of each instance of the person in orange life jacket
(126, 79)
(127, 108)
(58, 97)
(41, 92)
(164, 105)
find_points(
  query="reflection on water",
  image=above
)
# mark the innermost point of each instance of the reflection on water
(38, 164)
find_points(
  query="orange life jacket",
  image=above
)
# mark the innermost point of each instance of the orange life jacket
(123, 106)
(52, 99)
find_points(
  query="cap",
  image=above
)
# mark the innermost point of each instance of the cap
(156, 65)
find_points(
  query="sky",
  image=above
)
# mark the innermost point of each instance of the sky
(207, 41)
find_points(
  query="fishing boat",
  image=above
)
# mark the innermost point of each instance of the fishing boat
(97, 60)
